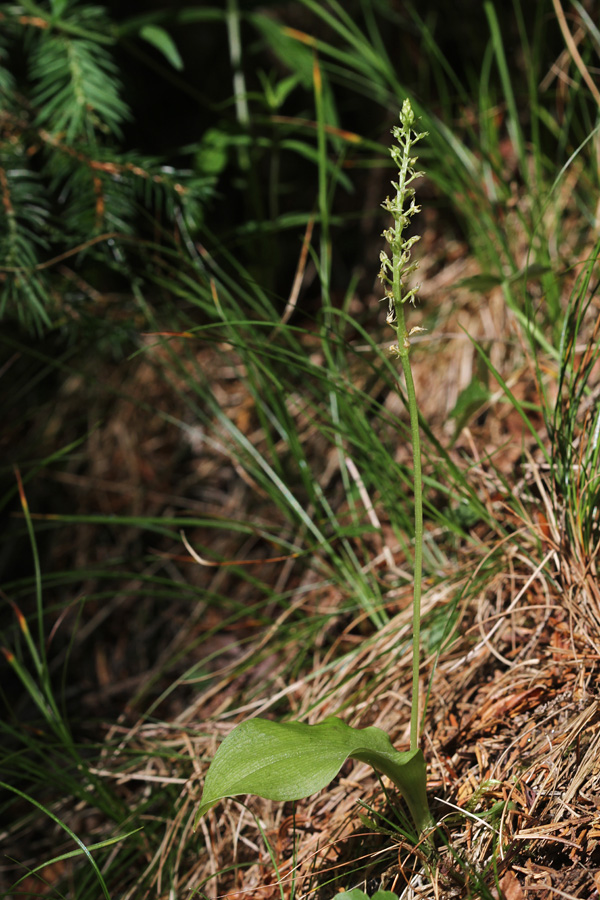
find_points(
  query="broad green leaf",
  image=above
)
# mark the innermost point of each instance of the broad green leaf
(163, 42)
(291, 760)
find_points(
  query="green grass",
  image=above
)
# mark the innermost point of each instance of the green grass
(511, 172)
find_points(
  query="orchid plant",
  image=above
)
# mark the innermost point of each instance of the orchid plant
(291, 760)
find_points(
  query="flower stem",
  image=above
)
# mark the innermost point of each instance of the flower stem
(403, 353)
(394, 273)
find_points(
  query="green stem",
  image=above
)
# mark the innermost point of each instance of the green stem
(325, 254)
(403, 351)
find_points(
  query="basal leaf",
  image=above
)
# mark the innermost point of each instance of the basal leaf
(291, 760)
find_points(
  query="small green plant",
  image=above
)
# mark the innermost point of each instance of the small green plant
(357, 894)
(289, 761)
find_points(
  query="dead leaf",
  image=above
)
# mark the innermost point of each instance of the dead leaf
(511, 888)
